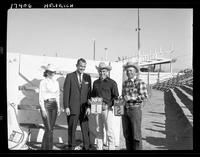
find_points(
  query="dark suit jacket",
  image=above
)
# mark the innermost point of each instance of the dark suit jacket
(74, 96)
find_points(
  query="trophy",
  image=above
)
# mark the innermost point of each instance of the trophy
(119, 107)
(96, 105)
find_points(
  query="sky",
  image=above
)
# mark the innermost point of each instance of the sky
(71, 33)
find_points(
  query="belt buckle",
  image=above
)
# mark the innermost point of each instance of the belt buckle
(131, 104)
(51, 100)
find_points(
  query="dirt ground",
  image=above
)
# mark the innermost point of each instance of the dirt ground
(164, 127)
(153, 124)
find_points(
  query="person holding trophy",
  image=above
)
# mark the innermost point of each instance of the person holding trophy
(105, 90)
(134, 92)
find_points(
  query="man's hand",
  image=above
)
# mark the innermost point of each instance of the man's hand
(126, 97)
(67, 110)
(59, 111)
(104, 106)
(89, 101)
(87, 112)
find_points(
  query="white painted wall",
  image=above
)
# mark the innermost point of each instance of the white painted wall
(12, 77)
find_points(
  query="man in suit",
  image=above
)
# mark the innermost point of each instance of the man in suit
(77, 90)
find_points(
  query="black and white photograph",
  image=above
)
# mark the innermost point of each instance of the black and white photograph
(99, 79)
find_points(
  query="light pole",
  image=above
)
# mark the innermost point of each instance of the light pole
(138, 30)
(106, 54)
(94, 49)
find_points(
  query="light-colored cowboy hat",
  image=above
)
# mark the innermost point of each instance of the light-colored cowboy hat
(103, 65)
(49, 67)
(131, 64)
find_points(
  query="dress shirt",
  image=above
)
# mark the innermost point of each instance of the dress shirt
(49, 88)
(80, 78)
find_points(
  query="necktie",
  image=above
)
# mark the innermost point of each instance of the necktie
(80, 81)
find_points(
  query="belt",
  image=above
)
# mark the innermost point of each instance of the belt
(50, 100)
(130, 104)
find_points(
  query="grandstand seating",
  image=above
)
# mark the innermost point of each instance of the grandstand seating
(183, 78)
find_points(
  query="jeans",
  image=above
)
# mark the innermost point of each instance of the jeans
(49, 123)
(131, 123)
(105, 119)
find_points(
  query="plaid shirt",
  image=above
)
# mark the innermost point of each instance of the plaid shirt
(135, 87)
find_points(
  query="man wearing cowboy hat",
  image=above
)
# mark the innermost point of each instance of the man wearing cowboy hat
(134, 92)
(105, 88)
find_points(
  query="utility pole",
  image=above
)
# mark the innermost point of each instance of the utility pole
(138, 30)
(93, 49)
(171, 51)
(106, 54)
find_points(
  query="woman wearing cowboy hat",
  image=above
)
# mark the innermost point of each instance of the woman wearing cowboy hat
(134, 92)
(105, 88)
(49, 101)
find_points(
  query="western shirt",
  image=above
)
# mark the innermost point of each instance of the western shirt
(135, 87)
(49, 88)
(106, 89)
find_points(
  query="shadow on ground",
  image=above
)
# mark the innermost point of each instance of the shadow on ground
(179, 132)
(175, 132)
(156, 141)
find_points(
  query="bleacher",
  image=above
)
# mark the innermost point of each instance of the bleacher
(183, 78)
(180, 89)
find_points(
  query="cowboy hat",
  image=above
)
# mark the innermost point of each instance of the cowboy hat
(131, 64)
(102, 65)
(49, 67)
